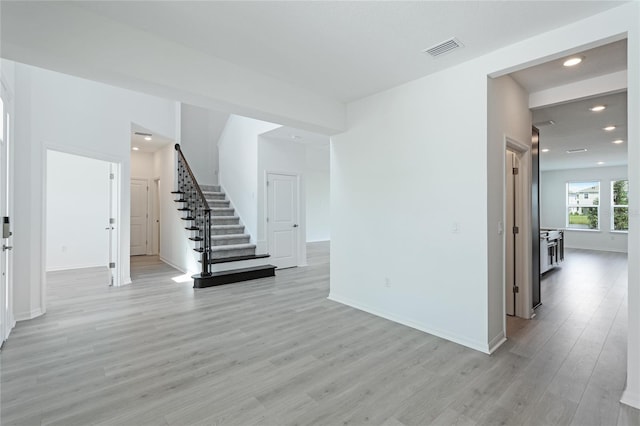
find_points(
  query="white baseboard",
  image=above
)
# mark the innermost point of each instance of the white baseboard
(24, 316)
(68, 268)
(496, 342)
(631, 399)
(478, 346)
(162, 259)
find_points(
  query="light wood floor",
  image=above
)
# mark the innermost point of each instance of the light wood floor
(276, 351)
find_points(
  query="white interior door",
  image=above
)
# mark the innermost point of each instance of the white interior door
(139, 216)
(282, 219)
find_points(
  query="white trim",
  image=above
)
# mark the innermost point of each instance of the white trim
(496, 342)
(67, 268)
(24, 316)
(631, 399)
(173, 265)
(524, 260)
(478, 346)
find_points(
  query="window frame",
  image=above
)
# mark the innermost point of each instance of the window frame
(613, 208)
(579, 204)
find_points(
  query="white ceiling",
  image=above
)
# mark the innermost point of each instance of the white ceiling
(342, 49)
(289, 134)
(577, 127)
(598, 61)
(157, 141)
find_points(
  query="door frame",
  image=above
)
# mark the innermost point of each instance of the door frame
(301, 226)
(6, 298)
(116, 197)
(523, 246)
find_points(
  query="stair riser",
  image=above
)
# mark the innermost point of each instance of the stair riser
(218, 203)
(232, 253)
(210, 188)
(230, 241)
(238, 230)
(214, 197)
(218, 221)
(225, 212)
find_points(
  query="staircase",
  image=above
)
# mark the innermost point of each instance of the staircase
(226, 253)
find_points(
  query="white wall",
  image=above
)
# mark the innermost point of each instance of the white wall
(422, 145)
(404, 213)
(77, 116)
(77, 212)
(142, 165)
(238, 151)
(508, 117)
(318, 194)
(175, 248)
(200, 130)
(553, 207)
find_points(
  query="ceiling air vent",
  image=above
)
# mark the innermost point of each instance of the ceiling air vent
(575, 151)
(544, 123)
(444, 47)
(142, 134)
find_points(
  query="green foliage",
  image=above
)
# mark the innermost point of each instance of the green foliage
(621, 218)
(621, 192)
(592, 215)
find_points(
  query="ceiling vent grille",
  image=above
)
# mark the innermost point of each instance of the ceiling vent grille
(444, 47)
(544, 123)
(575, 151)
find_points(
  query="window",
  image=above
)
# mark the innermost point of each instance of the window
(620, 205)
(583, 199)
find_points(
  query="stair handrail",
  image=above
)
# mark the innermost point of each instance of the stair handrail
(206, 231)
(193, 178)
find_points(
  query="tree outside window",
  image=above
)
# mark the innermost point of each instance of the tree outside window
(583, 200)
(620, 205)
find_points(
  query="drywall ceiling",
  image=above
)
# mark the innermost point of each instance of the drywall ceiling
(157, 141)
(342, 50)
(601, 60)
(303, 137)
(577, 127)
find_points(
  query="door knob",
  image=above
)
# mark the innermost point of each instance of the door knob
(5, 248)
(295, 225)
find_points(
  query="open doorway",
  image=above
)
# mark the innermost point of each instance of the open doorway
(581, 116)
(150, 155)
(82, 215)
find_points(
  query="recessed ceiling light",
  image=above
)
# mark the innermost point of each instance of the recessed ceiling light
(572, 61)
(135, 148)
(598, 108)
(545, 149)
(147, 138)
(617, 141)
(600, 163)
(296, 137)
(609, 128)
